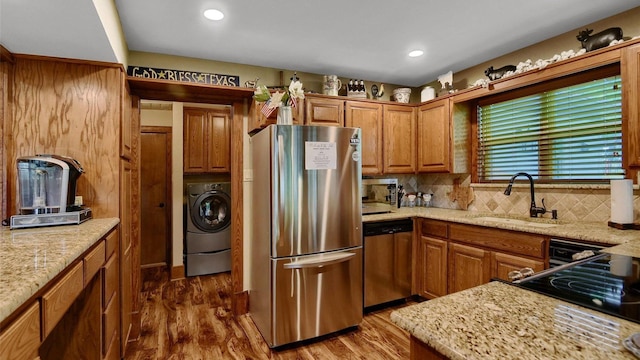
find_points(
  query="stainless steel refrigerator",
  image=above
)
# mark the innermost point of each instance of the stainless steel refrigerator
(306, 248)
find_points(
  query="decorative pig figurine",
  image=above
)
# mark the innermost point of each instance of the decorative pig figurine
(251, 83)
(599, 40)
(498, 73)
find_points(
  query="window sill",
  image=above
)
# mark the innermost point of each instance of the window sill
(547, 186)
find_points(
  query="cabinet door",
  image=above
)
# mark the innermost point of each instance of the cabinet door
(433, 274)
(218, 142)
(502, 264)
(195, 140)
(126, 268)
(399, 124)
(434, 137)
(126, 296)
(320, 111)
(257, 120)
(468, 267)
(367, 117)
(630, 71)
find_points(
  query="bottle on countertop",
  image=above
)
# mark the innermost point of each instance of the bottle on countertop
(350, 87)
(400, 195)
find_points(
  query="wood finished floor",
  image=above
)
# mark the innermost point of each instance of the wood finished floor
(191, 319)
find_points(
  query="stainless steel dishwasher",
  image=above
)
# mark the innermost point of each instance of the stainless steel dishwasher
(387, 261)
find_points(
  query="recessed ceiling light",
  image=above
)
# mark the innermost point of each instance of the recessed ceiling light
(213, 14)
(416, 53)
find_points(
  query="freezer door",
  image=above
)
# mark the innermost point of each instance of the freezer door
(316, 196)
(316, 295)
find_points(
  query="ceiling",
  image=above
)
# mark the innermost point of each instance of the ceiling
(362, 39)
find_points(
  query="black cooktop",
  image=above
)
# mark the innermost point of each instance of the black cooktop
(606, 283)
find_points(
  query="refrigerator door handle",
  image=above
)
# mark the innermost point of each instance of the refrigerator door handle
(320, 261)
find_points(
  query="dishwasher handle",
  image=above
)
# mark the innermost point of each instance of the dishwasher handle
(320, 261)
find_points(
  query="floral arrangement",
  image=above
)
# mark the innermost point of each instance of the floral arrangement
(289, 97)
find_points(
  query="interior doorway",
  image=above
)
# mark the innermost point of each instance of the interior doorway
(155, 204)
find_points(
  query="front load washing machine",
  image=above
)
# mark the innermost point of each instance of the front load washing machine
(207, 240)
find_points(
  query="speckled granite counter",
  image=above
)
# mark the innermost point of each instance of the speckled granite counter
(585, 231)
(501, 321)
(29, 258)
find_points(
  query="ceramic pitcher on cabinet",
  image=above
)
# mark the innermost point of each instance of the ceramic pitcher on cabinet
(331, 85)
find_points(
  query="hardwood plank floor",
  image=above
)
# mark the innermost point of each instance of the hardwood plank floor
(191, 319)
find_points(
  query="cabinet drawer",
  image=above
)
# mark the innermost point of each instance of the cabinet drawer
(110, 279)
(435, 228)
(57, 301)
(502, 264)
(111, 241)
(93, 262)
(21, 339)
(110, 324)
(510, 241)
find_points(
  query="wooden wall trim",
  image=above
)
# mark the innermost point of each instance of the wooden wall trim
(177, 272)
(5, 55)
(71, 61)
(237, 170)
(6, 118)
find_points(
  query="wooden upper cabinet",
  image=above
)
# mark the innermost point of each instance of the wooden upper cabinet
(630, 71)
(367, 117)
(399, 129)
(21, 339)
(324, 111)
(257, 120)
(434, 136)
(207, 134)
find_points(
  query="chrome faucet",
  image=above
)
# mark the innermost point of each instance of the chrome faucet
(533, 210)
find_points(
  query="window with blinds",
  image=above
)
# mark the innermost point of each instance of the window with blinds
(572, 133)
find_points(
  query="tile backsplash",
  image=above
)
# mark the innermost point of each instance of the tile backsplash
(573, 202)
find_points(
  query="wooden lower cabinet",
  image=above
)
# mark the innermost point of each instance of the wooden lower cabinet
(421, 351)
(455, 257)
(75, 316)
(468, 267)
(21, 339)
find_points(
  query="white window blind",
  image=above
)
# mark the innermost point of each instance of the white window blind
(572, 133)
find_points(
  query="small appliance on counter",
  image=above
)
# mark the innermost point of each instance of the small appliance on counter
(47, 192)
(379, 196)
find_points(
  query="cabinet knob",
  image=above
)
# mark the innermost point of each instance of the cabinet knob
(161, 205)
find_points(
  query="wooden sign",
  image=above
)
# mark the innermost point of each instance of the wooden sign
(183, 76)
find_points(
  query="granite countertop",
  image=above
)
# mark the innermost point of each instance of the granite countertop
(501, 321)
(594, 232)
(29, 258)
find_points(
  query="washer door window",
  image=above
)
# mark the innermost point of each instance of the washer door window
(211, 211)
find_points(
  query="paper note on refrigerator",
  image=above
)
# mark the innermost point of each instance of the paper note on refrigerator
(320, 155)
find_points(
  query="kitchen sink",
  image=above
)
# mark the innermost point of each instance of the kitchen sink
(511, 221)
